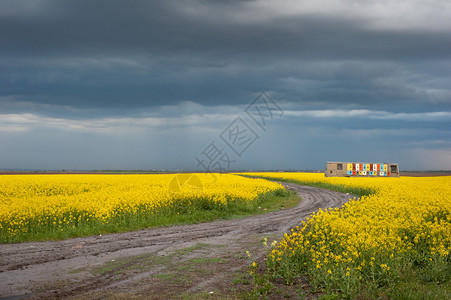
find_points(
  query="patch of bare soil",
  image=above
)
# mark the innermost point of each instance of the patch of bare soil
(205, 260)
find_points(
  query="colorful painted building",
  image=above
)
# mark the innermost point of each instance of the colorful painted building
(353, 169)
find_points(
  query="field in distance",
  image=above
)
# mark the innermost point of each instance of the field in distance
(58, 206)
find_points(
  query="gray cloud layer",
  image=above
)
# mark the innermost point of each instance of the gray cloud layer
(103, 53)
(83, 63)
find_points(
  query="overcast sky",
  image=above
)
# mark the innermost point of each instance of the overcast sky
(167, 84)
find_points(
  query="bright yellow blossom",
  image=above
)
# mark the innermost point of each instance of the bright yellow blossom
(397, 217)
(31, 202)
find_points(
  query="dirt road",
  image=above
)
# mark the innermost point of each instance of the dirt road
(192, 261)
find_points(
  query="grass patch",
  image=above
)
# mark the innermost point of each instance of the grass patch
(203, 295)
(167, 276)
(207, 260)
(142, 262)
(410, 281)
(147, 261)
(188, 250)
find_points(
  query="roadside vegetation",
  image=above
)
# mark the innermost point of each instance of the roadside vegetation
(394, 242)
(309, 181)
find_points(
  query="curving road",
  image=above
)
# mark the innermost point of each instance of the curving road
(27, 266)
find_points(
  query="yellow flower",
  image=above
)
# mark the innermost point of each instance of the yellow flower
(382, 222)
(40, 202)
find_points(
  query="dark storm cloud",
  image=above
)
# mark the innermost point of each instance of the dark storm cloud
(168, 27)
(120, 54)
(148, 84)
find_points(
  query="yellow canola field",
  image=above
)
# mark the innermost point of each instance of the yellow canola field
(406, 216)
(55, 201)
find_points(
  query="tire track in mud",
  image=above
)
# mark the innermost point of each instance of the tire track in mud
(25, 266)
